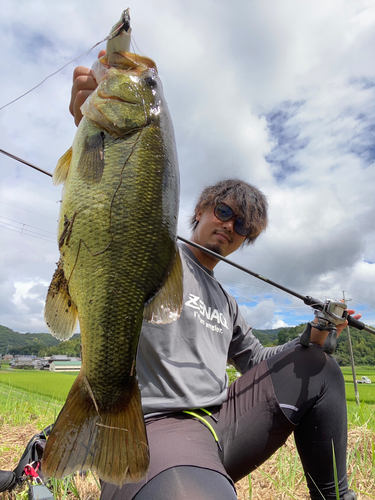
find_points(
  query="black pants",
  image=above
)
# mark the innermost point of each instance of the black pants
(300, 389)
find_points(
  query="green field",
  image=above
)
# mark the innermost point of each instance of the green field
(57, 385)
(363, 415)
(36, 397)
(31, 394)
(366, 391)
(43, 382)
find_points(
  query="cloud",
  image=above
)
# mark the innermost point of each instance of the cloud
(263, 316)
(280, 94)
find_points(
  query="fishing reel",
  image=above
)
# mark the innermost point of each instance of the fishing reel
(328, 315)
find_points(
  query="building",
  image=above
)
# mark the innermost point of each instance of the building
(65, 366)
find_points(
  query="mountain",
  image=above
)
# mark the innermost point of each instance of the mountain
(12, 342)
(41, 344)
(363, 344)
(24, 343)
(267, 337)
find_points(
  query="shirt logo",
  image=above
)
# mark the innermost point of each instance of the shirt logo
(196, 303)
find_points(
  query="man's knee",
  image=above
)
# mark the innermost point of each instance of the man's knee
(305, 361)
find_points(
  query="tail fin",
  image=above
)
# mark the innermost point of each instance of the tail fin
(112, 442)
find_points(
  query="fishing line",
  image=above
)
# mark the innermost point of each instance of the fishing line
(110, 36)
(222, 284)
(264, 301)
(135, 46)
(202, 269)
(328, 311)
(255, 289)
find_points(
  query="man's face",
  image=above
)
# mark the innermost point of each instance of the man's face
(215, 234)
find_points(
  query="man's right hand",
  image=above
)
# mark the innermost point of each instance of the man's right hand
(83, 85)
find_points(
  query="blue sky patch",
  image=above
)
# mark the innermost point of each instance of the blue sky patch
(286, 136)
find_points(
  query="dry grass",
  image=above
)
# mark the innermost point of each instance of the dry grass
(12, 444)
(280, 478)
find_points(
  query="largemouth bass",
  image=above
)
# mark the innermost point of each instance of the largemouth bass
(118, 264)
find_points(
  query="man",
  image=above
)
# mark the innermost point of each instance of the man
(203, 436)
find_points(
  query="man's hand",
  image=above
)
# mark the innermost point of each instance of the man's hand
(318, 337)
(83, 85)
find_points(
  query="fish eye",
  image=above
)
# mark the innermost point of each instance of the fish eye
(151, 81)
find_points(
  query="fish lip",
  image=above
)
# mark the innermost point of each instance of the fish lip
(128, 62)
(102, 95)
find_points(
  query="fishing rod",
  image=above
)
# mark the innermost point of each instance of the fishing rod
(14, 157)
(329, 313)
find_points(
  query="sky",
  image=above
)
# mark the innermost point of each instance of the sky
(279, 93)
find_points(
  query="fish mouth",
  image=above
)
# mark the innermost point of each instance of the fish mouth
(103, 95)
(128, 61)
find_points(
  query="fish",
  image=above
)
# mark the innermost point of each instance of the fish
(119, 264)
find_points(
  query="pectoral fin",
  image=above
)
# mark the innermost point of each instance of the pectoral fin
(62, 168)
(60, 312)
(166, 305)
(91, 162)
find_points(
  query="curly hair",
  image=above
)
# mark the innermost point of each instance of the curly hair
(249, 204)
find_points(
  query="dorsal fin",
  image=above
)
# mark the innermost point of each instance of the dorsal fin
(62, 168)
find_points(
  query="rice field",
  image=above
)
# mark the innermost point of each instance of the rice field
(42, 382)
(29, 401)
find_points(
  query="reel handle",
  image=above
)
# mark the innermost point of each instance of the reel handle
(330, 342)
(306, 336)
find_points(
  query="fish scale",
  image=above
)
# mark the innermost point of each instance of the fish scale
(118, 264)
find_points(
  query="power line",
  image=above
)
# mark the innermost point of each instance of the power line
(22, 224)
(27, 210)
(25, 232)
(363, 304)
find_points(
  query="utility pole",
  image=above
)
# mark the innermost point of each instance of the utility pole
(351, 357)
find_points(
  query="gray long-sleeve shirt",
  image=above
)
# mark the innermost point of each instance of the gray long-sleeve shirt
(182, 365)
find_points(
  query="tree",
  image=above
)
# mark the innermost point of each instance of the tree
(287, 334)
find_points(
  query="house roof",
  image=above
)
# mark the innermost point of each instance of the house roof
(67, 363)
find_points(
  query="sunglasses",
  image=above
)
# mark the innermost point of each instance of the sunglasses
(225, 213)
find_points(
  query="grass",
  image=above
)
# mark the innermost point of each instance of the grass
(42, 382)
(366, 391)
(19, 407)
(361, 416)
(282, 477)
(29, 401)
(22, 415)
